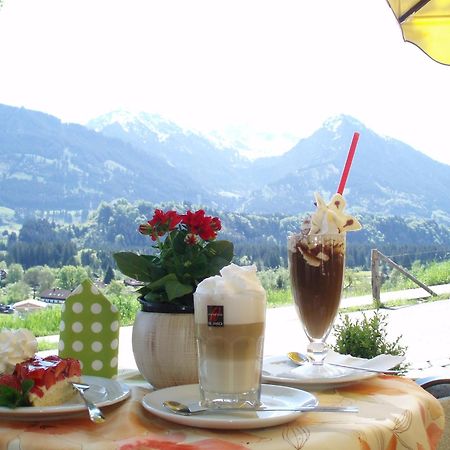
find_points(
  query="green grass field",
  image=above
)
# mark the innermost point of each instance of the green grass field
(46, 322)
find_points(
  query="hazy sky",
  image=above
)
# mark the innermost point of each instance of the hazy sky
(275, 66)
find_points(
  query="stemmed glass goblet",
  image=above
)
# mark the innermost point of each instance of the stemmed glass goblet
(316, 269)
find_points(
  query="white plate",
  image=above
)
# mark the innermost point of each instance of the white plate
(277, 369)
(103, 392)
(271, 396)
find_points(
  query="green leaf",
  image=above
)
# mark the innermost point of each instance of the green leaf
(172, 287)
(139, 267)
(192, 270)
(216, 263)
(222, 248)
(179, 246)
(162, 281)
(11, 398)
(155, 297)
(26, 387)
(143, 290)
(176, 289)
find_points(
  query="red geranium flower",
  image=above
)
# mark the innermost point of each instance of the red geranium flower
(190, 239)
(216, 224)
(185, 253)
(160, 224)
(204, 226)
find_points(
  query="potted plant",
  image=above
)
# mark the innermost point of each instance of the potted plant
(185, 252)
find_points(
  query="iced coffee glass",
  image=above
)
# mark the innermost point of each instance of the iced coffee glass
(230, 322)
(316, 269)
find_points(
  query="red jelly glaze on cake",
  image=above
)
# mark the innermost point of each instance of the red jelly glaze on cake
(10, 380)
(46, 372)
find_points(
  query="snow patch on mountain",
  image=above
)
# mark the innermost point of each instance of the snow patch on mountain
(140, 123)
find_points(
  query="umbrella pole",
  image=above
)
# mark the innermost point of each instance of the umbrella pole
(419, 5)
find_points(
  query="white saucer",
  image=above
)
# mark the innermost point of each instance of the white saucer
(271, 396)
(279, 369)
(103, 392)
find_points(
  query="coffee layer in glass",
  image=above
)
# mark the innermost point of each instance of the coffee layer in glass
(316, 267)
(316, 264)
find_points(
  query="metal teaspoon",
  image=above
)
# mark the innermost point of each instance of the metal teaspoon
(185, 410)
(300, 359)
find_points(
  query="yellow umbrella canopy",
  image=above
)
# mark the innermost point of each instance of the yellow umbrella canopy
(425, 23)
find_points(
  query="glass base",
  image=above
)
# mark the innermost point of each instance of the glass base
(250, 399)
(311, 370)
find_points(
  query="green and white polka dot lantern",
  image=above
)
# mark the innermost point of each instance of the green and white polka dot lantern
(89, 331)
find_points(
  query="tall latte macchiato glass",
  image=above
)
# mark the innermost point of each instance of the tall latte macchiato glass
(230, 312)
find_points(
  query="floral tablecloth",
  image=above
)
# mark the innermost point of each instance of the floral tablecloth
(395, 414)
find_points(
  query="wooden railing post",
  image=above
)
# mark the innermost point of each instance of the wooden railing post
(376, 256)
(376, 279)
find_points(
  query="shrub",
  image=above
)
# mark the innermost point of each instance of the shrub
(366, 338)
(279, 297)
(273, 279)
(127, 305)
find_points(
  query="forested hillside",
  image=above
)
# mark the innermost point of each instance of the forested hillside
(257, 238)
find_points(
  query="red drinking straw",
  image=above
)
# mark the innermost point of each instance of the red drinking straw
(348, 163)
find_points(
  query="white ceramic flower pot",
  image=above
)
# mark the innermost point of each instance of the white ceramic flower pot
(164, 348)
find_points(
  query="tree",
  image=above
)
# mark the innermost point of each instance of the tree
(69, 277)
(116, 288)
(86, 257)
(16, 292)
(39, 278)
(41, 243)
(12, 239)
(15, 273)
(37, 230)
(109, 275)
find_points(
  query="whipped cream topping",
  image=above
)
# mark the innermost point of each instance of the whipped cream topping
(330, 218)
(238, 289)
(15, 346)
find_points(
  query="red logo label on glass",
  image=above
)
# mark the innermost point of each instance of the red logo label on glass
(215, 315)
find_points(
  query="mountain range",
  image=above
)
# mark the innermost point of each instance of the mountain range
(46, 164)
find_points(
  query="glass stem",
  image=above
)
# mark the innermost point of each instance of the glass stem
(317, 350)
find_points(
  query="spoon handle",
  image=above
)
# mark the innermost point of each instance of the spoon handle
(95, 414)
(365, 369)
(199, 409)
(348, 409)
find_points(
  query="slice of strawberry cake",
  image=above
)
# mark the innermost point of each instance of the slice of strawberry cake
(43, 381)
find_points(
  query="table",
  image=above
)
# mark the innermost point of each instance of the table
(395, 414)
